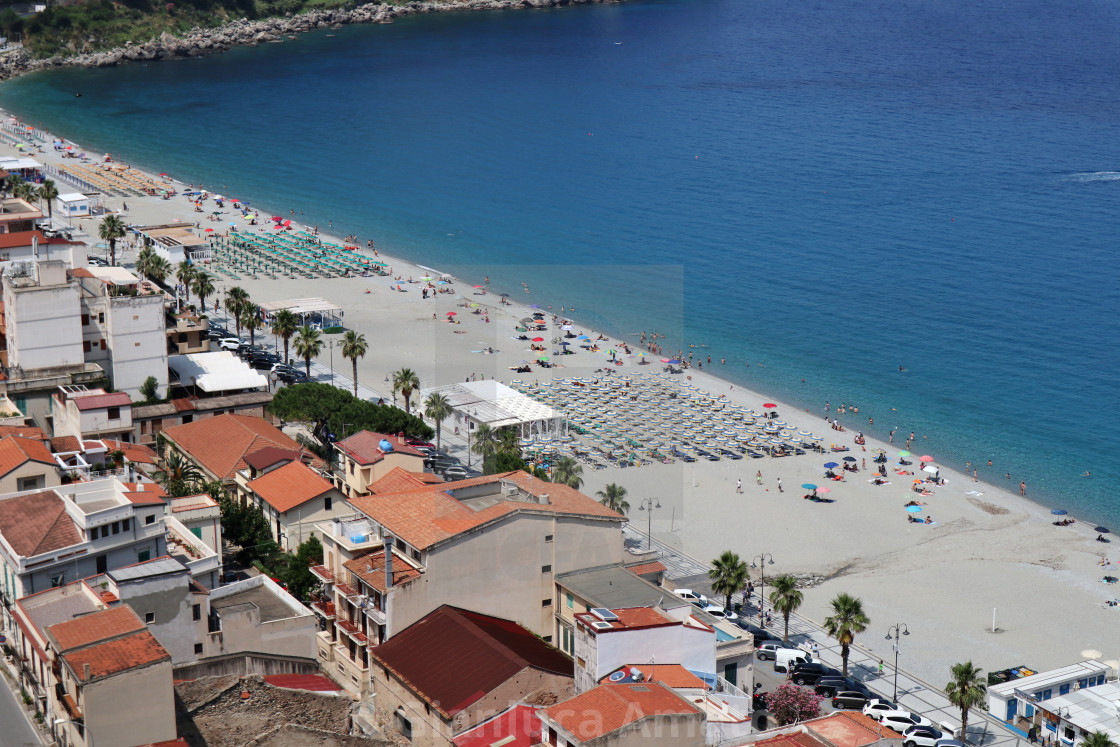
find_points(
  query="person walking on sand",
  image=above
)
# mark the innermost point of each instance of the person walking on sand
(780, 485)
(975, 478)
(739, 486)
(1023, 488)
(758, 476)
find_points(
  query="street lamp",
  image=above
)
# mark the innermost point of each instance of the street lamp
(895, 633)
(648, 505)
(759, 561)
(330, 344)
(84, 729)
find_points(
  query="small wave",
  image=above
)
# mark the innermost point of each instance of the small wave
(1095, 176)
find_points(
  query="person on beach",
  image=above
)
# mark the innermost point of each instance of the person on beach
(758, 477)
(975, 478)
(780, 485)
(739, 486)
(1023, 488)
(880, 666)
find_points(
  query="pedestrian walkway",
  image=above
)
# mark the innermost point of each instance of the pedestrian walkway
(914, 694)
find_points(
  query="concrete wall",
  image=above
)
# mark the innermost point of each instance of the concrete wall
(298, 524)
(134, 707)
(242, 630)
(48, 473)
(171, 600)
(512, 691)
(598, 655)
(43, 325)
(137, 343)
(429, 729)
(244, 664)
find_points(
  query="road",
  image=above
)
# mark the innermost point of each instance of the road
(16, 731)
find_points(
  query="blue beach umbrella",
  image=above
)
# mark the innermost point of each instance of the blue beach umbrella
(809, 486)
(674, 362)
(913, 509)
(1059, 512)
(831, 465)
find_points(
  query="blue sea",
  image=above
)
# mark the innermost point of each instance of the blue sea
(833, 190)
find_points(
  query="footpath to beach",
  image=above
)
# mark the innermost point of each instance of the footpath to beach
(988, 552)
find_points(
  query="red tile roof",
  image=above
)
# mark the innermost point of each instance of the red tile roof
(25, 431)
(423, 517)
(796, 739)
(630, 618)
(269, 456)
(99, 626)
(399, 479)
(60, 444)
(844, 729)
(608, 708)
(669, 675)
(364, 447)
(116, 656)
(37, 523)
(221, 443)
(16, 451)
(482, 651)
(135, 453)
(642, 569)
(145, 493)
(98, 401)
(402, 571)
(289, 486)
(517, 727)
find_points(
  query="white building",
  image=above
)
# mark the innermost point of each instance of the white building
(1007, 701)
(42, 311)
(72, 205)
(91, 413)
(176, 243)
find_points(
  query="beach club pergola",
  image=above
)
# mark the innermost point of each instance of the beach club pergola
(496, 405)
(329, 314)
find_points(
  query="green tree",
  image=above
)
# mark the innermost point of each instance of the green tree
(298, 576)
(111, 229)
(308, 345)
(237, 298)
(614, 497)
(966, 691)
(1096, 739)
(483, 442)
(179, 475)
(354, 347)
(48, 193)
(503, 461)
(158, 269)
(203, 287)
(184, 273)
(144, 260)
(284, 325)
(436, 408)
(150, 390)
(847, 620)
(568, 471)
(251, 320)
(329, 410)
(786, 598)
(406, 382)
(728, 574)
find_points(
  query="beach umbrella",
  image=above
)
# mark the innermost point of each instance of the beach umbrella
(925, 458)
(1091, 653)
(824, 490)
(831, 465)
(543, 358)
(672, 362)
(769, 405)
(566, 327)
(931, 468)
(809, 486)
(535, 306)
(1101, 530)
(538, 339)
(914, 509)
(850, 459)
(452, 313)
(904, 453)
(520, 329)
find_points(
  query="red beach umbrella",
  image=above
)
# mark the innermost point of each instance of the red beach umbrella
(926, 458)
(769, 405)
(538, 339)
(451, 313)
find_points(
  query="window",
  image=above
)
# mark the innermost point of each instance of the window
(143, 556)
(197, 611)
(85, 320)
(86, 346)
(198, 648)
(30, 483)
(149, 618)
(101, 317)
(416, 555)
(546, 602)
(351, 467)
(548, 538)
(546, 638)
(58, 580)
(102, 343)
(197, 532)
(114, 413)
(1063, 690)
(567, 640)
(570, 600)
(327, 502)
(102, 563)
(126, 524)
(93, 534)
(580, 661)
(150, 519)
(116, 527)
(546, 569)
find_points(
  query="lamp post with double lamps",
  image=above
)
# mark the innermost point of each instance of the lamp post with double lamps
(895, 633)
(79, 724)
(759, 561)
(648, 505)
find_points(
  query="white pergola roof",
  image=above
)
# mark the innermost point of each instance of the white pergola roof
(114, 275)
(215, 372)
(12, 163)
(302, 306)
(494, 404)
(1090, 708)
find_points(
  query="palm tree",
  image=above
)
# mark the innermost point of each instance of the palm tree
(437, 408)
(1096, 739)
(158, 268)
(48, 193)
(406, 382)
(111, 229)
(308, 345)
(251, 320)
(24, 190)
(185, 273)
(354, 347)
(484, 444)
(846, 621)
(729, 574)
(179, 475)
(203, 287)
(284, 325)
(966, 690)
(507, 439)
(568, 471)
(786, 598)
(614, 497)
(144, 260)
(236, 300)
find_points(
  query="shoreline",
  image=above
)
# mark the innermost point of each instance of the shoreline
(1003, 544)
(243, 32)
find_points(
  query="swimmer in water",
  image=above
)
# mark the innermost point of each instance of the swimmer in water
(1086, 474)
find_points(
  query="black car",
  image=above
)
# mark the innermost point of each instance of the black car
(849, 699)
(809, 673)
(829, 686)
(760, 634)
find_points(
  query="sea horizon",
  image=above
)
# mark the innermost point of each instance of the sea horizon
(857, 220)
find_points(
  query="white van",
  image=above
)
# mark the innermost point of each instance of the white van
(785, 658)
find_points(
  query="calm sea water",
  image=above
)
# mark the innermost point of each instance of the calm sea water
(832, 190)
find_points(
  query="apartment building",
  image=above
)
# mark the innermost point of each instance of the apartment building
(26, 464)
(646, 714)
(86, 413)
(295, 498)
(366, 457)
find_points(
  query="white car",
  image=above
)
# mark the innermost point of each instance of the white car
(690, 596)
(718, 610)
(455, 473)
(923, 736)
(875, 706)
(230, 343)
(900, 720)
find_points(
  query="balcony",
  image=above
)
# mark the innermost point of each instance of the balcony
(352, 632)
(346, 590)
(376, 615)
(326, 609)
(323, 574)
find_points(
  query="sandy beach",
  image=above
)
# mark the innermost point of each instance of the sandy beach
(988, 548)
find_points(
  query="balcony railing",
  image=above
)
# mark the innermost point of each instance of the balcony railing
(346, 590)
(322, 573)
(326, 609)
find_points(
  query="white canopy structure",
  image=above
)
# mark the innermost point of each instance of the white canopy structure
(215, 372)
(329, 314)
(496, 405)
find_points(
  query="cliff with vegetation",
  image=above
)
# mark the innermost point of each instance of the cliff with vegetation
(102, 33)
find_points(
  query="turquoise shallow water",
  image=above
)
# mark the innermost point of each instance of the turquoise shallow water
(831, 190)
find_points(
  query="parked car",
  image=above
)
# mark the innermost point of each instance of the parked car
(455, 473)
(848, 699)
(875, 706)
(809, 673)
(830, 685)
(760, 634)
(768, 650)
(901, 720)
(230, 343)
(922, 736)
(687, 594)
(419, 442)
(718, 610)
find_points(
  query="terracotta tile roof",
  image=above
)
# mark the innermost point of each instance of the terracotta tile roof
(642, 569)
(99, 626)
(269, 456)
(21, 238)
(145, 493)
(607, 708)
(399, 479)
(37, 523)
(669, 675)
(15, 451)
(630, 619)
(289, 486)
(844, 729)
(402, 571)
(517, 727)
(60, 444)
(116, 656)
(423, 517)
(135, 453)
(98, 401)
(182, 404)
(796, 739)
(364, 447)
(24, 431)
(481, 650)
(221, 443)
